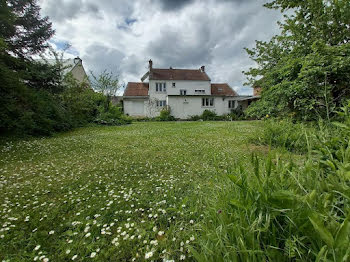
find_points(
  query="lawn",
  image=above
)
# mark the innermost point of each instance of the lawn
(129, 193)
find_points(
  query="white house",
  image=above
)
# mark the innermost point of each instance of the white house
(186, 92)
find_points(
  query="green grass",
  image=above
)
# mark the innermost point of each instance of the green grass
(120, 192)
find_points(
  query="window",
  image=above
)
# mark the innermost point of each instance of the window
(231, 104)
(183, 92)
(199, 91)
(160, 87)
(174, 85)
(206, 102)
(161, 103)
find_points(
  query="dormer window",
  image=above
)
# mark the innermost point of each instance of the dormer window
(161, 87)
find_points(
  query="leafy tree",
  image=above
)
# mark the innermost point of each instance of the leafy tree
(22, 28)
(304, 71)
(107, 83)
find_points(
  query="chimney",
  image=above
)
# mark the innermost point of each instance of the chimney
(203, 68)
(150, 64)
(78, 61)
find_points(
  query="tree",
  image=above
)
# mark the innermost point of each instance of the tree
(22, 29)
(304, 71)
(106, 83)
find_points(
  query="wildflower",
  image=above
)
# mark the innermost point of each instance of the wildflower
(192, 238)
(148, 255)
(51, 232)
(182, 257)
(37, 247)
(74, 257)
(88, 234)
(160, 233)
(93, 254)
(67, 251)
(45, 259)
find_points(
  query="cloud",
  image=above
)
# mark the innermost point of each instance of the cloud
(171, 5)
(123, 35)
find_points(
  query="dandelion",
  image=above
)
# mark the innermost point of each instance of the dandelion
(148, 255)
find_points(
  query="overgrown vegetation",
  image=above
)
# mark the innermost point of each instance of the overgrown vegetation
(285, 210)
(37, 98)
(304, 71)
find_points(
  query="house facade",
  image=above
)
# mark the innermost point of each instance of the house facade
(186, 92)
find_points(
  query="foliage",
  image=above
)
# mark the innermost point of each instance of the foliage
(283, 211)
(208, 115)
(304, 71)
(107, 83)
(165, 115)
(22, 29)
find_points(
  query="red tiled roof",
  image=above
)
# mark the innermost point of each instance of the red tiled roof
(222, 90)
(178, 74)
(136, 89)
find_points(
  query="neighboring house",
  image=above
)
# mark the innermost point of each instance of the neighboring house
(73, 66)
(186, 92)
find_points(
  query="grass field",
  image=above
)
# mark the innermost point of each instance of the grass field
(137, 192)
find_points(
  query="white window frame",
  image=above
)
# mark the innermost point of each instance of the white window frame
(199, 91)
(232, 104)
(160, 87)
(161, 103)
(207, 102)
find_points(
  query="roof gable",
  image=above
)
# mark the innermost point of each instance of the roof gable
(136, 89)
(222, 90)
(178, 74)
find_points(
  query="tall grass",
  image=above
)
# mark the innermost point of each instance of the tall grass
(281, 211)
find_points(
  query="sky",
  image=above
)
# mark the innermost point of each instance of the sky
(122, 35)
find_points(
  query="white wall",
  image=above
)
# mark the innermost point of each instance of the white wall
(190, 86)
(185, 106)
(134, 107)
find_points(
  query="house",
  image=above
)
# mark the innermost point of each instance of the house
(73, 66)
(186, 92)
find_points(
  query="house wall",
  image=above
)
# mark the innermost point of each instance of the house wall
(190, 86)
(185, 106)
(79, 73)
(134, 107)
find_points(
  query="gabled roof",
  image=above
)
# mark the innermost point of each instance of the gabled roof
(136, 89)
(178, 74)
(222, 90)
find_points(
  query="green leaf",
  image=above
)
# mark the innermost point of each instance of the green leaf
(321, 254)
(237, 204)
(342, 234)
(325, 235)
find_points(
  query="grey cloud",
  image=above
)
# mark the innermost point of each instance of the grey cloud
(171, 5)
(99, 58)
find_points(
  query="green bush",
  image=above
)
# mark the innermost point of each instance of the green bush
(208, 115)
(165, 115)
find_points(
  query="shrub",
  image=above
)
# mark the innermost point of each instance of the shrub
(208, 115)
(165, 115)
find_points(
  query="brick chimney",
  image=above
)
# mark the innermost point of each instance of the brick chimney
(150, 64)
(203, 69)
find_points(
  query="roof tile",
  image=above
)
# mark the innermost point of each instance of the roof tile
(136, 89)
